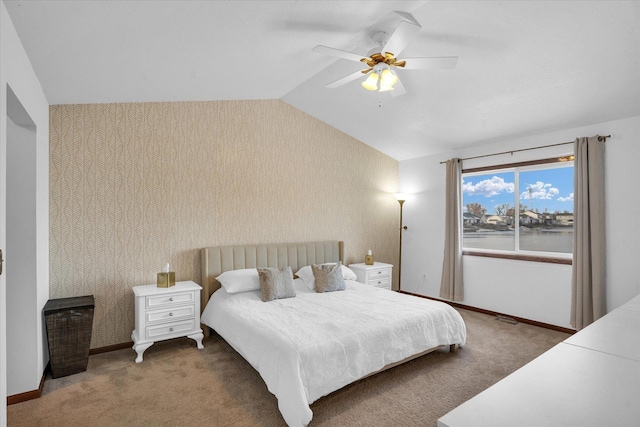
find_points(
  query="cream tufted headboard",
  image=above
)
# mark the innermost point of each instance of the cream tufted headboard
(218, 259)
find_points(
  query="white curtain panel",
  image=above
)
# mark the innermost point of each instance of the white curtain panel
(451, 285)
(588, 302)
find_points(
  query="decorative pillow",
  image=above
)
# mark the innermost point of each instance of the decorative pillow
(276, 283)
(235, 281)
(328, 278)
(306, 274)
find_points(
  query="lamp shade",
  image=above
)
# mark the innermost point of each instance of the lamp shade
(372, 82)
(401, 197)
(388, 78)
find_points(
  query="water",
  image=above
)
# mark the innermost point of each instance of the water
(530, 240)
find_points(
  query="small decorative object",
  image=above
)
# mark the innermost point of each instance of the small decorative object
(368, 259)
(167, 278)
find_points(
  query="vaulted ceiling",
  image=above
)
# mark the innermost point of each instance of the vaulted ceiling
(525, 67)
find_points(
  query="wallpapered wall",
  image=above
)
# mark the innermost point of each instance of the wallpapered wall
(136, 185)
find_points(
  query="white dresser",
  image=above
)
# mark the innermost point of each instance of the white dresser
(378, 274)
(590, 379)
(164, 313)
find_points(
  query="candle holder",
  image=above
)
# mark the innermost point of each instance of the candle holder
(166, 280)
(368, 259)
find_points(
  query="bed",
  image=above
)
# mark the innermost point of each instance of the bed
(310, 345)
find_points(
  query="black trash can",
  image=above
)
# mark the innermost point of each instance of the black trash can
(69, 323)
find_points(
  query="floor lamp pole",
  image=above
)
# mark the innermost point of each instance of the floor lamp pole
(401, 201)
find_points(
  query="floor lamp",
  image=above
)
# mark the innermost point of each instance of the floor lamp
(401, 199)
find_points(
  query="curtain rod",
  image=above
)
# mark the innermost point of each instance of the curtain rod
(604, 138)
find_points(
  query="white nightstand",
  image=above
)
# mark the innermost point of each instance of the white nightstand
(378, 274)
(164, 313)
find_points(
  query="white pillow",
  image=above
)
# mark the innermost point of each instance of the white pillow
(306, 274)
(243, 280)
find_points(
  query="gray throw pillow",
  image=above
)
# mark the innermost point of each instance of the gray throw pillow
(276, 283)
(328, 277)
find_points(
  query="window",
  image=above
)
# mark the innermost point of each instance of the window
(523, 209)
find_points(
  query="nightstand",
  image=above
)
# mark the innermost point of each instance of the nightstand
(165, 313)
(378, 274)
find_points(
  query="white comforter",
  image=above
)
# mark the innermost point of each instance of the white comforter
(311, 345)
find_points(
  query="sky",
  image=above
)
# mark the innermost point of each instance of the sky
(550, 189)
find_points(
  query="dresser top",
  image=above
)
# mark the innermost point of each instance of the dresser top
(144, 290)
(375, 265)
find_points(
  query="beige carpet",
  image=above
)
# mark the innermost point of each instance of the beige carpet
(178, 385)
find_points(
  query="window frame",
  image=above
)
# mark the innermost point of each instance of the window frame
(518, 254)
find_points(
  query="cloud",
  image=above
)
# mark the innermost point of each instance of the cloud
(488, 187)
(539, 190)
(566, 199)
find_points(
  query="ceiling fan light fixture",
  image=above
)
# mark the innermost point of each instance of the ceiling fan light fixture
(371, 83)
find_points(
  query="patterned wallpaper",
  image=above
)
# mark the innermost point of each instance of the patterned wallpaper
(136, 185)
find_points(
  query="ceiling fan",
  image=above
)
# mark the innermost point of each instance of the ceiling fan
(382, 60)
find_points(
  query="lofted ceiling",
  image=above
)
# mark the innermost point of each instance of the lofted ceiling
(525, 67)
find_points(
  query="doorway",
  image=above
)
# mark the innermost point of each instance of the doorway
(21, 284)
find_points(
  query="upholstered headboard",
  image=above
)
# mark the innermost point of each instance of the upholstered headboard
(218, 259)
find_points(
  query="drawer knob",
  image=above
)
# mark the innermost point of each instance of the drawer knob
(170, 314)
(170, 329)
(171, 299)
(379, 272)
(379, 282)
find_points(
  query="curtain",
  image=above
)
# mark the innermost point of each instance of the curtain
(588, 278)
(451, 284)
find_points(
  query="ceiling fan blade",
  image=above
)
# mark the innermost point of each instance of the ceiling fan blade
(398, 89)
(337, 53)
(432, 63)
(401, 37)
(407, 17)
(345, 80)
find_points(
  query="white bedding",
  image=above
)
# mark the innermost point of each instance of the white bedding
(311, 345)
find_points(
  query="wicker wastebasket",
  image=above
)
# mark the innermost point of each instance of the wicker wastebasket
(69, 322)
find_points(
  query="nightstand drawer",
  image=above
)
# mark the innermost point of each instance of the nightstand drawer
(380, 282)
(169, 299)
(175, 313)
(379, 273)
(167, 330)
